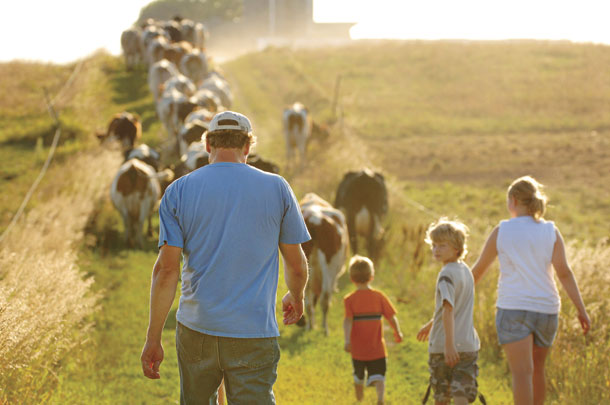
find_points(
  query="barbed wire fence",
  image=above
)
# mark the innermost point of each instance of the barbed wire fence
(53, 113)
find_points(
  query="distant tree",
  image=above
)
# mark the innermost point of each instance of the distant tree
(197, 10)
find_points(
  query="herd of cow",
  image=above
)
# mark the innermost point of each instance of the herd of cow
(187, 95)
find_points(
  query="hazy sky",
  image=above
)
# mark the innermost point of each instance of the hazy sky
(43, 29)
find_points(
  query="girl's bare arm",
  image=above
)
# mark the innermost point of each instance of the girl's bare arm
(488, 255)
(566, 277)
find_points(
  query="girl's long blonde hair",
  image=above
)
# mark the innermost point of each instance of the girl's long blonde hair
(528, 192)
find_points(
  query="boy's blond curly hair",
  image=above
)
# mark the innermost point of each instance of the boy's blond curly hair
(454, 232)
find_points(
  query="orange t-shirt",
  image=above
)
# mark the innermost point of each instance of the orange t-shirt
(366, 307)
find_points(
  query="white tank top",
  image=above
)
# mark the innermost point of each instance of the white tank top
(525, 249)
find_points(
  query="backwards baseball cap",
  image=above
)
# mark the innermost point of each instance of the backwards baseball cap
(230, 120)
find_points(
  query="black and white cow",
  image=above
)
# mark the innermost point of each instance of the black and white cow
(363, 197)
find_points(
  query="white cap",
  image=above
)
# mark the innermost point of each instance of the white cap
(230, 120)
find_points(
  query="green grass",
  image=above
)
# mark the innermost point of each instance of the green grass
(108, 370)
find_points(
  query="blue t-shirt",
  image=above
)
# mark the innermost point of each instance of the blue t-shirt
(229, 218)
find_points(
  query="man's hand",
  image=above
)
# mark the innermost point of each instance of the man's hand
(423, 333)
(292, 309)
(347, 347)
(152, 356)
(397, 336)
(452, 357)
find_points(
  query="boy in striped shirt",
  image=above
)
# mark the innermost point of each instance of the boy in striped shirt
(363, 328)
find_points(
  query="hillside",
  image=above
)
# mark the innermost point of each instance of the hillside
(449, 124)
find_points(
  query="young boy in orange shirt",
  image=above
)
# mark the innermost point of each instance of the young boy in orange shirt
(363, 328)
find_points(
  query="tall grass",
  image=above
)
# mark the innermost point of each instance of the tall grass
(578, 371)
(44, 298)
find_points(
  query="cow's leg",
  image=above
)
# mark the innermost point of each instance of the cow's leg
(127, 224)
(289, 152)
(325, 303)
(310, 300)
(138, 232)
(370, 237)
(377, 238)
(353, 236)
(329, 272)
(177, 148)
(301, 147)
(149, 233)
(130, 236)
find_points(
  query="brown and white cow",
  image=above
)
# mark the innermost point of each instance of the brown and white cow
(132, 50)
(146, 154)
(150, 33)
(156, 49)
(195, 157)
(200, 114)
(158, 74)
(172, 108)
(216, 83)
(297, 130)
(194, 65)
(135, 191)
(326, 252)
(173, 29)
(193, 32)
(207, 99)
(191, 132)
(125, 128)
(181, 83)
(363, 197)
(176, 51)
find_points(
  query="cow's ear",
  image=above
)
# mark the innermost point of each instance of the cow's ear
(100, 135)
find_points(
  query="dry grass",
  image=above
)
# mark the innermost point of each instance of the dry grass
(44, 298)
(584, 378)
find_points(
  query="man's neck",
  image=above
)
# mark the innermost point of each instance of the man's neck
(227, 155)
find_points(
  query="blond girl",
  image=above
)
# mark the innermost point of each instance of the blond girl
(528, 248)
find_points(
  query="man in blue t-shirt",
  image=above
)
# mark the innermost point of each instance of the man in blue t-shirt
(227, 219)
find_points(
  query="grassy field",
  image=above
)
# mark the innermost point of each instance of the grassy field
(449, 124)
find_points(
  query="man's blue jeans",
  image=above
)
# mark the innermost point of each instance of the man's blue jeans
(248, 365)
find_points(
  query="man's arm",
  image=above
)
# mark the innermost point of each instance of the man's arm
(165, 276)
(451, 355)
(295, 275)
(489, 253)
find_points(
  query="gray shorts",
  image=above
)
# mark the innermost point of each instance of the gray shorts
(513, 325)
